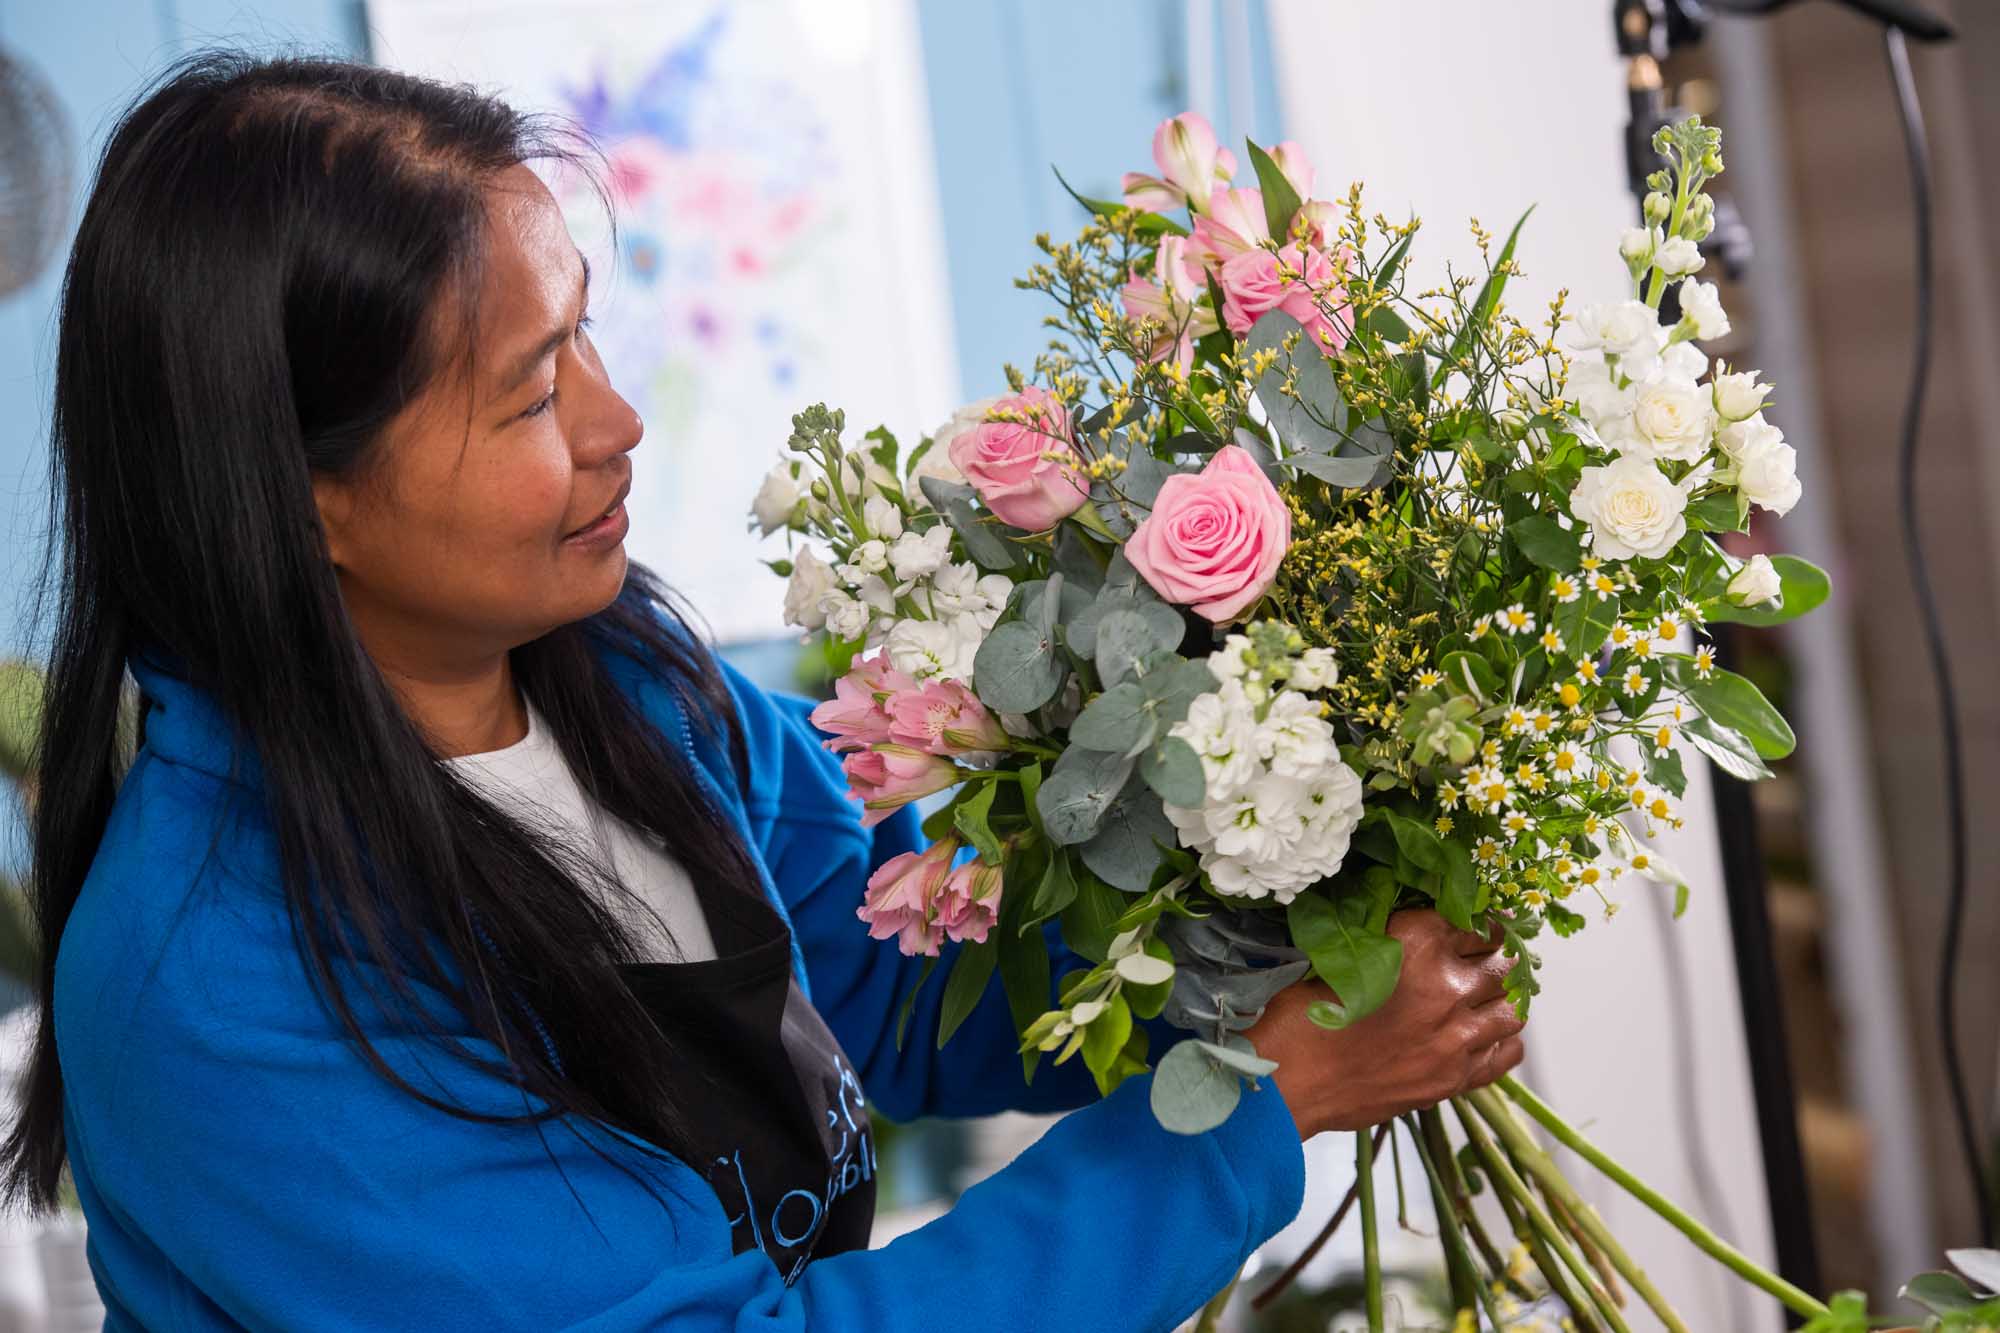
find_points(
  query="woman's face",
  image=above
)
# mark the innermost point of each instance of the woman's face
(456, 547)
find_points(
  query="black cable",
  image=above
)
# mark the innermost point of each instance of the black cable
(1954, 764)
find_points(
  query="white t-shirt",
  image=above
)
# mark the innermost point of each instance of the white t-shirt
(532, 780)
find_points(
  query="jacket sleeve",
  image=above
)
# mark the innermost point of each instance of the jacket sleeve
(808, 832)
(243, 1166)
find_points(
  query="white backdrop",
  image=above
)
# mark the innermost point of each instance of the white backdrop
(1454, 110)
(779, 236)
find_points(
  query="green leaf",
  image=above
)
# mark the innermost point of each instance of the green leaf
(1125, 851)
(1149, 223)
(1090, 922)
(1361, 965)
(1174, 687)
(1074, 798)
(1281, 201)
(1664, 770)
(1805, 587)
(1115, 721)
(910, 1001)
(1458, 897)
(1726, 748)
(1483, 307)
(1238, 1054)
(962, 990)
(1024, 975)
(1031, 785)
(1385, 272)
(1055, 890)
(1192, 1093)
(1104, 1040)
(1355, 473)
(1385, 324)
(970, 818)
(1312, 418)
(1585, 623)
(1016, 669)
(1128, 636)
(1734, 702)
(1714, 513)
(1417, 841)
(1547, 543)
(1469, 673)
(1847, 1312)
(1173, 769)
(1940, 1293)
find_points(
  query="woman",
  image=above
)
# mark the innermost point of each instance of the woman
(464, 946)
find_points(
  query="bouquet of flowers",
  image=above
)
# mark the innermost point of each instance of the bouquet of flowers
(1278, 595)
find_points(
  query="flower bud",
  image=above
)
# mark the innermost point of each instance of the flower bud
(1754, 584)
(1658, 208)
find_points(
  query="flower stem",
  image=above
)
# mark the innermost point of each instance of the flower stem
(1211, 1314)
(1543, 1168)
(1711, 1244)
(1552, 1251)
(1371, 1254)
(1467, 1290)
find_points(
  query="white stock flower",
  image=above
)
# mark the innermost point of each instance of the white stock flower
(871, 557)
(845, 617)
(1632, 509)
(1678, 257)
(1316, 669)
(776, 501)
(883, 517)
(1222, 728)
(1625, 328)
(1754, 584)
(1226, 663)
(1739, 395)
(1638, 243)
(1701, 305)
(1672, 417)
(1767, 472)
(918, 555)
(932, 649)
(812, 579)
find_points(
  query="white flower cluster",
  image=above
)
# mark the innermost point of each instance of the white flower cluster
(1643, 395)
(1281, 805)
(897, 587)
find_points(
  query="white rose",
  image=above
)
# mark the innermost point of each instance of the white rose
(776, 500)
(1767, 472)
(845, 618)
(1740, 437)
(1683, 361)
(1754, 584)
(883, 517)
(1678, 257)
(1739, 395)
(936, 461)
(1701, 306)
(1671, 418)
(1631, 507)
(1626, 328)
(918, 555)
(811, 580)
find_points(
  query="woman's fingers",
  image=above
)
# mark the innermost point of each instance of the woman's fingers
(1488, 981)
(1490, 1062)
(1492, 1022)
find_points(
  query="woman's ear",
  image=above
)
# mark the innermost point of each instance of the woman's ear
(335, 501)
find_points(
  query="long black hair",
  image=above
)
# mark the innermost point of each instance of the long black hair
(251, 298)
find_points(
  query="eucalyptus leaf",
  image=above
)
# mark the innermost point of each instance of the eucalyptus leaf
(1260, 450)
(1073, 798)
(1116, 720)
(1192, 1093)
(1174, 687)
(1127, 636)
(1238, 1054)
(1351, 473)
(988, 548)
(1016, 669)
(1314, 419)
(1173, 769)
(1125, 851)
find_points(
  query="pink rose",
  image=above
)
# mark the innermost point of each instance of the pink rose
(857, 716)
(1025, 468)
(1302, 282)
(1213, 540)
(902, 895)
(888, 777)
(968, 905)
(942, 717)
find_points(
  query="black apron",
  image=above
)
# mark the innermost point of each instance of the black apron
(777, 1116)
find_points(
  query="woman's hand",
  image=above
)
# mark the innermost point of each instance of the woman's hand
(1447, 1028)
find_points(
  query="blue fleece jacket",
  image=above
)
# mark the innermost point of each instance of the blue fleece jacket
(239, 1164)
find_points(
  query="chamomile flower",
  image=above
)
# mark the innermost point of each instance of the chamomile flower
(1634, 683)
(1481, 625)
(1535, 781)
(1586, 671)
(1663, 741)
(1489, 752)
(1564, 588)
(1551, 641)
(1604, 586)
(1667, 628)
(1543, 721)
(1704, 662)
(1565, 761)
(1620, 635)
(1642, 646)
(1449, 796)
(1603, 779)
(1589, 875)
(1569, 694)
(1442, 824)
(1516, 721)
(1490, 787)
(1428, 678)
(1517, 823)
(1516, 619)
(1487, 852)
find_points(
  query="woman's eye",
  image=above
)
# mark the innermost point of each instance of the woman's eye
(548, 399)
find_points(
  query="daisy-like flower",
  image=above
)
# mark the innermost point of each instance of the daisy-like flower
(1517, 823)
(1663, 741)
(1489, 786)
(1543, 721)
(1569, 694)
(1535, 781)
(1634, 684)
(1565, 588)
(1591, 564)
(1427, 678)
(1693, 614)
(1449, 796)
(1534, 898)
(1604, 586)
(1481, 625)
(1442, 824)
(1552, 641)
(1589, 876)
(1516, 721)
(1591, 823)
(1603, 779)
(1659, 808)
(1639, 797)
(1667, 628)
(1486, 852)
(1516, 620)
(1586, 671)
(1565, 761)
(1620, 635)
(1704, 662)
(1489, 752)
(1633, 777)
(1642, 646)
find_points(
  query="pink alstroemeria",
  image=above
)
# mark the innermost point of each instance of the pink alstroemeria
(1294, 167)
(969, 903)
(901, 900)
(1172, 299)
(1149, 194)
(1317, 223)
(1301, 281)
(1191, 166)
(1234, 222)
(942, 717)
(857, 716)
(888, 777)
